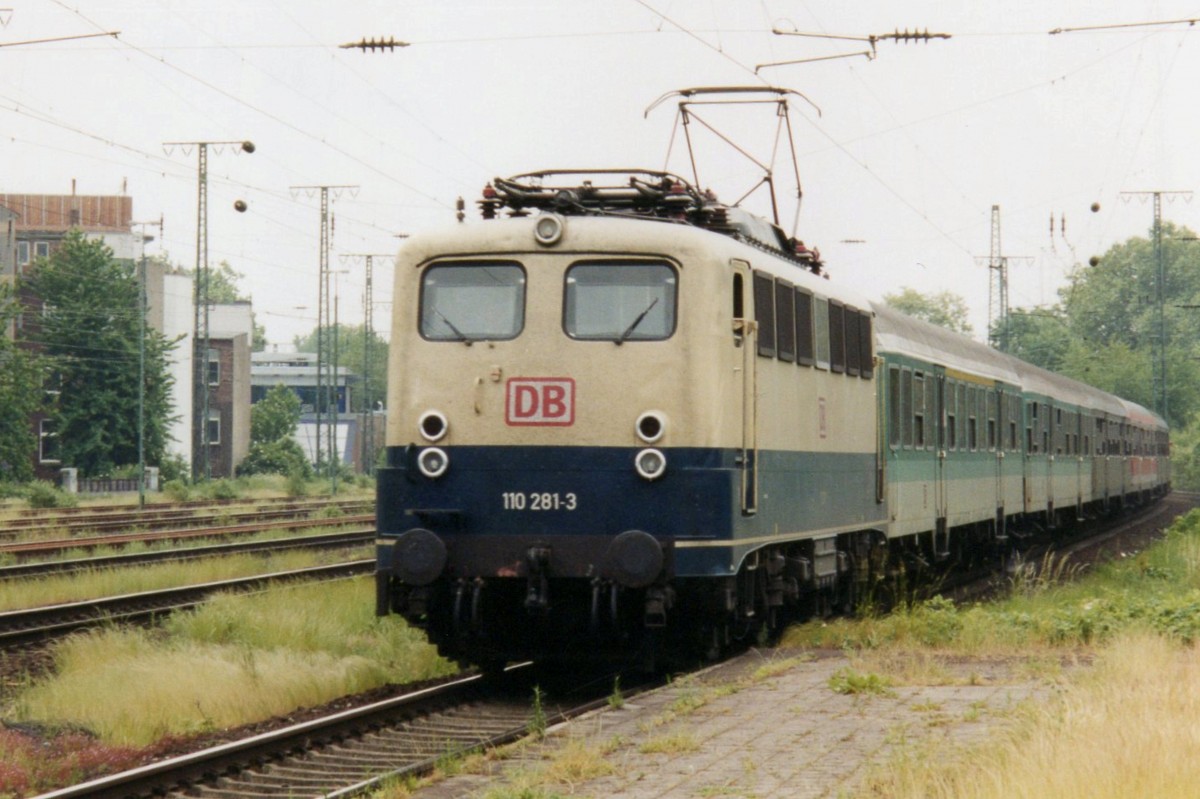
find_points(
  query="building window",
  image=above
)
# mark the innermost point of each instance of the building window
(213, 429)
(22, 253)
(214, 367)
(48, 441)
(41, 249)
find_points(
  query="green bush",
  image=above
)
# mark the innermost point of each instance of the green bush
(222, 489)
(282, 456)
(177, 490)
(40, 494)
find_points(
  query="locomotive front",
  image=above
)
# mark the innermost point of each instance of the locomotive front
(542, 453)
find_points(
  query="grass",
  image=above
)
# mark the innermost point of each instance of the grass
(236, 660)
(1125, 728)
(105, 582)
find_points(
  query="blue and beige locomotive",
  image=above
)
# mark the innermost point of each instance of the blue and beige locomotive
(625, 419)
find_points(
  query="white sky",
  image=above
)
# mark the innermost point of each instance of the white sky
(909, 155)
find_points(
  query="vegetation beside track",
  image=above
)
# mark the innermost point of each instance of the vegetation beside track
(236, 660)
(1124, 727)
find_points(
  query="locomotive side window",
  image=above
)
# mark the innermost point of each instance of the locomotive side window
(821, 329)
(853, 348)
(764, 313)
(804, 328)
(785, 320)
(472, 301)
(619, 301)
(837, 336)
(866, 355)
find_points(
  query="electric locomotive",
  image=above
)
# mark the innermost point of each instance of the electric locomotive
(574, 452)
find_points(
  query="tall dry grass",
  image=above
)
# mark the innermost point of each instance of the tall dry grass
(1130, 727)
(237, 660)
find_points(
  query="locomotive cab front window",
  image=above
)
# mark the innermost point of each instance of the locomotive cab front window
(472, 302)
(620, 301)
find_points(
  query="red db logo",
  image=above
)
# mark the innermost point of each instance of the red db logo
(541, 401)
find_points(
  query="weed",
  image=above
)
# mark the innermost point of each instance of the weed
(848, 681)
(537, 722)
(616, 700)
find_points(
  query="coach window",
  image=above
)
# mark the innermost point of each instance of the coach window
(918, 391)
(764, 313)
(837, 336)
(619, 301)
(906, 405)
(1046, 425)
(785, 320)
(951, 417)
(894, 406)
(991, 420)
(853, 350)
(821, 329)
(472, 301)
(972, 417)
(961, 393)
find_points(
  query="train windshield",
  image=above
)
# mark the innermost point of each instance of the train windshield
(472, 302)
(620, 301)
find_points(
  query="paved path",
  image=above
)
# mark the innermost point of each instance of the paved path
(742, 730)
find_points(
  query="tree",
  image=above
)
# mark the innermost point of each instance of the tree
(1112, 310)
(351, 345)
(89, 331)
(946, 309)
(223, 288)
(273, 450)
(20, 391)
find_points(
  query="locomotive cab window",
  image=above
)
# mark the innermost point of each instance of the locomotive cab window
(472, 302)
(620, 301)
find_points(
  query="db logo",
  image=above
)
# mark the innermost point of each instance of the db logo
(544, 401)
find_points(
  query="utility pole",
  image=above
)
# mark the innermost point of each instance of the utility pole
(1159, 339)
(325, 341)
(998, 288)
(141, 420)
(367, 448)
(201, 456)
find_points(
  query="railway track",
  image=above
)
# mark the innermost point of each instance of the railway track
(39, 625)
(116, 518)
(27, 549)
(353, 752)
(342, 538)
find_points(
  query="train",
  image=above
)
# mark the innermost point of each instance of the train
(629, 422)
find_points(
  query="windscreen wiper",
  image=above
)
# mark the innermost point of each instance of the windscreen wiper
(629, 330)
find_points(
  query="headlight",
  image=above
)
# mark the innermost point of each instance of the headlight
(548, 229)
(433, 462)
(650, 464)
(651, 426)
(433, 425)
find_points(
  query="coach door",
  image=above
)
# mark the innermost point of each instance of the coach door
(746, 338)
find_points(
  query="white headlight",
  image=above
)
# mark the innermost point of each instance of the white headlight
(433, 462)
(548, 229)
(433, 425)
(650, 464)
(651, 426)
